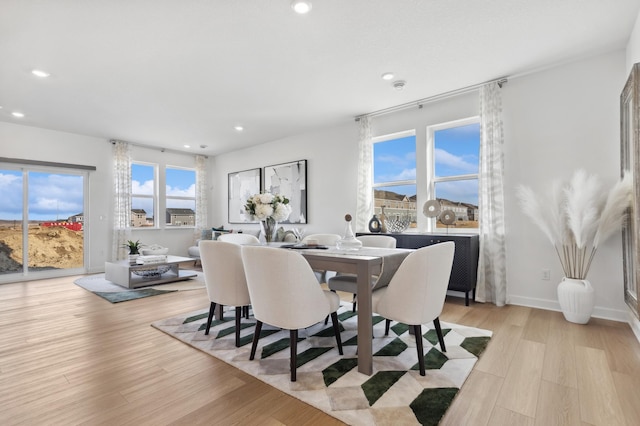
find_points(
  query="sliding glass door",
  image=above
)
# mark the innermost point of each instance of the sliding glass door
(41, 221)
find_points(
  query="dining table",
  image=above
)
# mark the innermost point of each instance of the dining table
(365, 263)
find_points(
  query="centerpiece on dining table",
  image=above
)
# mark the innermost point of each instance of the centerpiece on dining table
(269, 209)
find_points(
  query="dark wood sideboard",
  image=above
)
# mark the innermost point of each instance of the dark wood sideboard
(464, 272)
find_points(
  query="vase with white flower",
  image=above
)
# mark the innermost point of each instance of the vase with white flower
(269, 209)
(577, 216)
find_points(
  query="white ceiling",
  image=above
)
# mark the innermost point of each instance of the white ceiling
(168, 73)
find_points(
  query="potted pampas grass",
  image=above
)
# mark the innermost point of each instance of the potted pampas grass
(577, 217)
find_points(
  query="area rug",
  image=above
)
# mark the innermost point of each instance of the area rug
(394, 394)
(114, 293)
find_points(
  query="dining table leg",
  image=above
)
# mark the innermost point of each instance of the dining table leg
(365, 324)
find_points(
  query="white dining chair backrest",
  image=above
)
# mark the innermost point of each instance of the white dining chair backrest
(238, 238)
(329, 240)
(416, 293)
(381, 241)
(224, 273)
(283, 288)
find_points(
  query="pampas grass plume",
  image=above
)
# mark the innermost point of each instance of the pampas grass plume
(578, 215)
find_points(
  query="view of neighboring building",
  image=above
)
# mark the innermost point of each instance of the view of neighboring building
(181, 217)
(139, 218)
(402, 206)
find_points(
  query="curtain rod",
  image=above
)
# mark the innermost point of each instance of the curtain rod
(420, 102)
(157, 148)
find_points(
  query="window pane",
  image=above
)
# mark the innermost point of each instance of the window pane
(457, 150)
(181, 192)
(56, 219)
(181, 183)
(11, 221)
(398, 202)
(142, 177)
(394, 160)
(460, 196)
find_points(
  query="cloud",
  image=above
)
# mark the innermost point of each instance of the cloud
(445, 158)
(51, 196)
(405, 174)
(182, 192)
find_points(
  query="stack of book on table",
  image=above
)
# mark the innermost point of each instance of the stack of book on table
(151, 259)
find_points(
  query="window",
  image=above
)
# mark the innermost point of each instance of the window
(394, 176)
(143, 195)
(41, 220)
(180, 197)
(454, 150)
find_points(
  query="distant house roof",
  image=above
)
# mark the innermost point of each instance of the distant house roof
(139, 211)
(180, 211)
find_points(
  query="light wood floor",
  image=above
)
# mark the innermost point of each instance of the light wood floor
(69, 357)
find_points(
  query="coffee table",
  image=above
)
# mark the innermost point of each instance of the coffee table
(132, 275)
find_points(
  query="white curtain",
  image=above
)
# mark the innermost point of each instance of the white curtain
(492, 276)
(365, 179)
(121, 200)
(202, 197)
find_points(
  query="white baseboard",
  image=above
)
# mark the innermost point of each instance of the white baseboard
(553, 305)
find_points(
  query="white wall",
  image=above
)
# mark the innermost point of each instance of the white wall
(556, 121)
(331, 175)
(32, 143)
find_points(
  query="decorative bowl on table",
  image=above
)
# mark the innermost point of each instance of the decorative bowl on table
(151, 271)
(397, 225)
(154, 250)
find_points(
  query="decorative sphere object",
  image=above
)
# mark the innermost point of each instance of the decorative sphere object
(397, 225)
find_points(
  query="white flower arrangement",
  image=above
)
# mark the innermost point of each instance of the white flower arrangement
(268, 206)
(578, 216)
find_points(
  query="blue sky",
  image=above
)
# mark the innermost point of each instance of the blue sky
(51, 196)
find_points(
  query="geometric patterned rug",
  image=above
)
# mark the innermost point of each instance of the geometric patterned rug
(394, 394)
(114, 293)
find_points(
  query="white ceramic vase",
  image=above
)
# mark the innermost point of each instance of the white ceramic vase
(577, 299)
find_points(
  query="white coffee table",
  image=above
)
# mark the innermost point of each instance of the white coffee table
(132, 275)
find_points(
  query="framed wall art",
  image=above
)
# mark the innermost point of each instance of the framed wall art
(290, 180)
(242, 185)
(630, 163)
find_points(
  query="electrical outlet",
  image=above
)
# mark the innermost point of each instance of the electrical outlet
(546, 274)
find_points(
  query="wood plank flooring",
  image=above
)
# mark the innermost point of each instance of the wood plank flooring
(70, 357)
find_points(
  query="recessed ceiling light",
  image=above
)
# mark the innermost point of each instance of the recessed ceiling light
(17, 114)
(387, 76)
(301, 6)
(187, 146)
(40, 73)
(239, 128)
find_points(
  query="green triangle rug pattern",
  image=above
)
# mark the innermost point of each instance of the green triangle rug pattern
(394, 394)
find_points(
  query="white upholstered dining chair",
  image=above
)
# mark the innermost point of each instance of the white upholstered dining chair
(348, 282)
(239, 238)
(415, 295)
(285, 294)
(225, 280)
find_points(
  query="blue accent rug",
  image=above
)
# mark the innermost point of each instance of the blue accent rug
(114, 293)
(394, 394)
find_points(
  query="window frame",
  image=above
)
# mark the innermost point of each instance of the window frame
(405, 182)
(432, 180)
(175, 197)
(154, 197)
